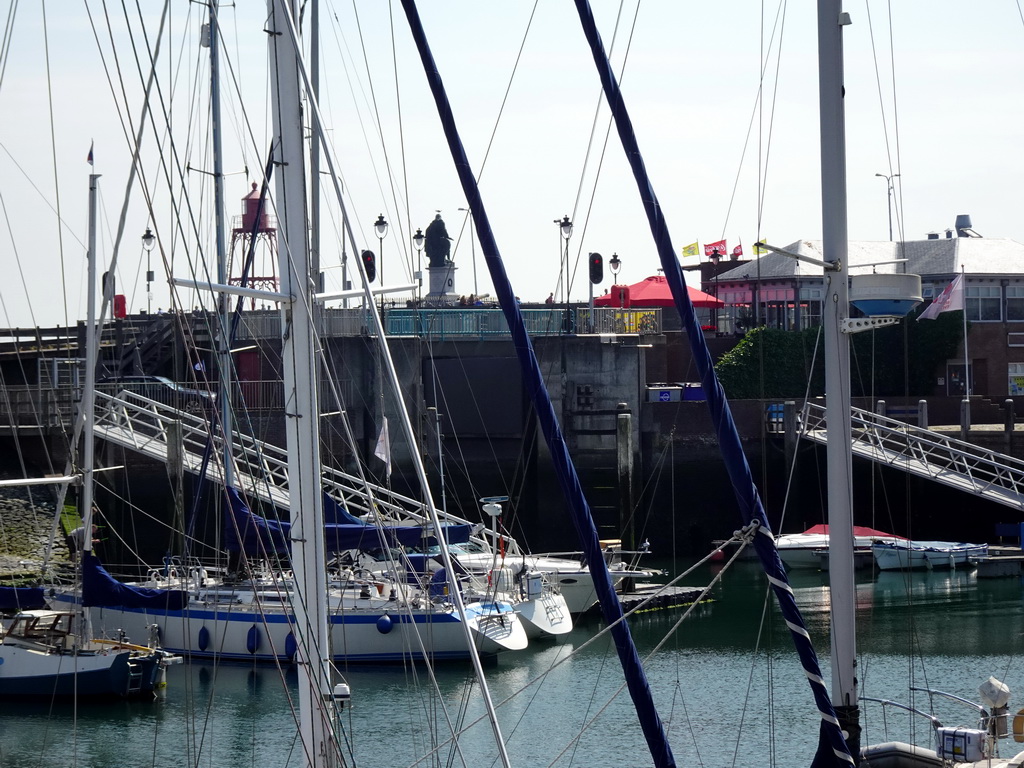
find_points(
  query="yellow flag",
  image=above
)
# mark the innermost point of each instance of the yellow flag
(693, 249)
(759, 251)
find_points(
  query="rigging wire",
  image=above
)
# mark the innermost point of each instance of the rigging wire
(53, 157)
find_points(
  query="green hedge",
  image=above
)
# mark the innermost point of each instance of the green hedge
(894, 361)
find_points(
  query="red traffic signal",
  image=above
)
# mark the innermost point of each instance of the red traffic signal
(370, 265)
(596, 268)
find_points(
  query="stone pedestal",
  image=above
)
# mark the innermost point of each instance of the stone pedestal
(442, 284)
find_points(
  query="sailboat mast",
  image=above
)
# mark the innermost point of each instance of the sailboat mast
(831, 21)
(301, 403)
(223, 306)
(89, 385)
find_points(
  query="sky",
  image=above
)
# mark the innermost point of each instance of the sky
(933, 93)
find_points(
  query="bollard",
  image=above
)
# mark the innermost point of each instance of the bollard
(965, 418)
(922, 414)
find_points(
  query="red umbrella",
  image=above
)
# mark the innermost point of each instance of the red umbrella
(654, 292)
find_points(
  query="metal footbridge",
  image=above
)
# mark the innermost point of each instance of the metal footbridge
(260, 470)
(933, 455)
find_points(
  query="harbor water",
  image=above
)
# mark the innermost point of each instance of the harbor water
(726, 680)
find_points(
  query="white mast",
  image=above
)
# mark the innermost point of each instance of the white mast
(223, 304)
(88, 407)
(301, 404)
(831, 21)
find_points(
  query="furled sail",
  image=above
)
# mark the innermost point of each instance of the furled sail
(255, 535)
(100, 589)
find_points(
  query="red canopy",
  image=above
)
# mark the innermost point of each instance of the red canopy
(858, 530)
(654, 292)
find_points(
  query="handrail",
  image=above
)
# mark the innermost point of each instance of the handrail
(924, 453)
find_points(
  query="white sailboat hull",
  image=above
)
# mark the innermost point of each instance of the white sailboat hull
(375, 634)
(545, 615)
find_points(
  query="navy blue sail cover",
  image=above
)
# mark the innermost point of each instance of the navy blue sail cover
(254, 535)
(100, 589)
(21, 599)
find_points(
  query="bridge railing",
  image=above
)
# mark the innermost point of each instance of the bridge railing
(474, 322)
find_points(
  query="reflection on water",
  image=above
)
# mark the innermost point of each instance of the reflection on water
(724, 683)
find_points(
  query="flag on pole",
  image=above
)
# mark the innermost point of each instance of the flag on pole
(758, 250)
(693, 249)
(89, 158)
(383, 448)
(717, 248)
(737, 251)
(950, 299)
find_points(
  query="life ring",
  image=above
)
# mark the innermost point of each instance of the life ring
(1018, 726)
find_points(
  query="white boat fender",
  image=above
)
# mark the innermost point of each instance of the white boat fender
(384, 624)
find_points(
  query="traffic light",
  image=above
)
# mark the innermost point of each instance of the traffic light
(370, 265)
(596, 268)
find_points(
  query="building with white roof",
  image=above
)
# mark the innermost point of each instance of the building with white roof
(782, 292)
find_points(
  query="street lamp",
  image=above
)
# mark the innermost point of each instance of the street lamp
(614, 265)
(565, 229)
(148, 242)
(417, 243)
(888, 198)
(381, 228)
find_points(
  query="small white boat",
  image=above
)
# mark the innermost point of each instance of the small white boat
(891, 556)
(810, 548)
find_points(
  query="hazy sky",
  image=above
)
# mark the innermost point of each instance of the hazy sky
(933, 93)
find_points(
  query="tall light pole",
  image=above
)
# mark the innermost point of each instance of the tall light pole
(565, 229)
(381, 228)
(614, 265)
(888, 196)
(148, 242)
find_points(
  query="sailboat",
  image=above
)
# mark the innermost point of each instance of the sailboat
(250, 616)
(53, 654)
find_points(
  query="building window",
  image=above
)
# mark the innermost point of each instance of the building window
(1016, 377)
(1014, 303)
(983, 303)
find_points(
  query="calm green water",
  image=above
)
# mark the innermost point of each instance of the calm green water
(729, 689)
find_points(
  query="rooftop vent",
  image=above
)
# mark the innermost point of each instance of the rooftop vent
(933, 235)
(964, 226)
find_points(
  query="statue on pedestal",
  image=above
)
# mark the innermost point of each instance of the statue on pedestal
(438, 245)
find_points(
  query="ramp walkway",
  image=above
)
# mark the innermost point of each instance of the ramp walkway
(152, 429)
(955, 463)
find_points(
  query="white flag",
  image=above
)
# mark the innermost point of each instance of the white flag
(951, 298)
(383, 449)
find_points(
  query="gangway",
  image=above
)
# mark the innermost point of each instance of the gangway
(148, 427)
(955, 463)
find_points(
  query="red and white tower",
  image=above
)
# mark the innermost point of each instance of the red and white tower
(255, 234)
